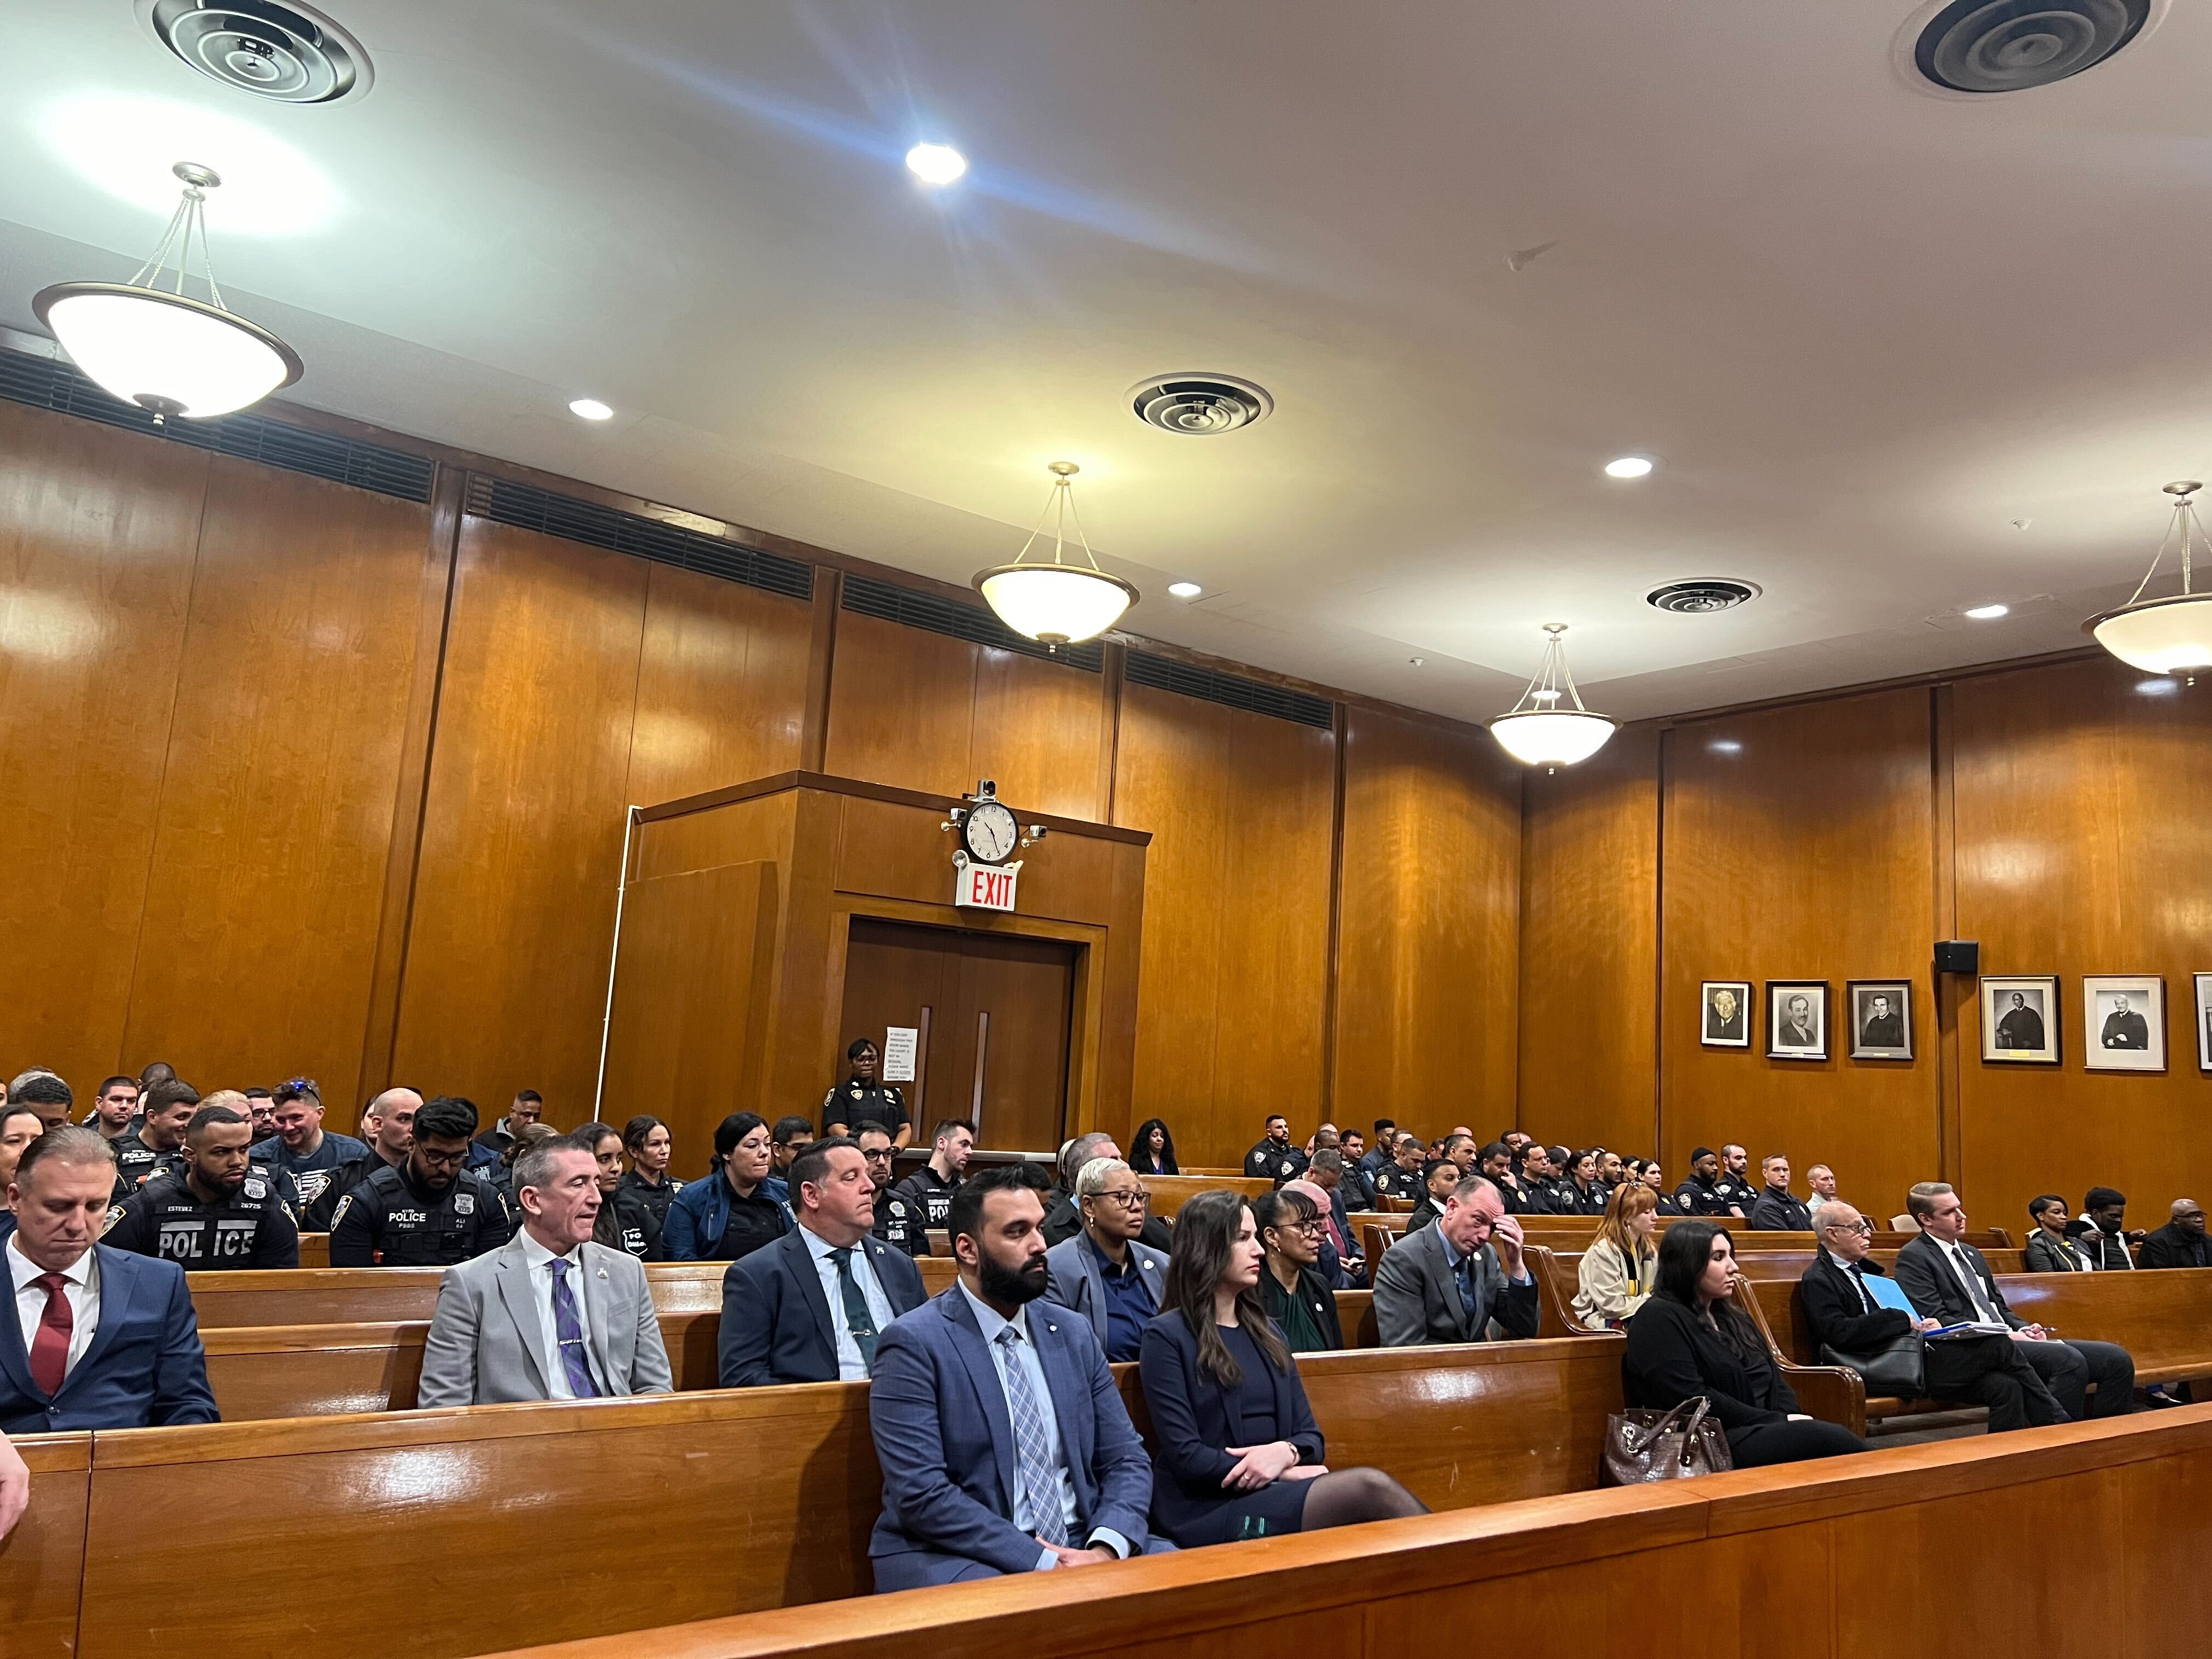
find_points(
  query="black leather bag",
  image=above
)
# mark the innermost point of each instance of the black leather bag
(1643, 1445)
(1898, 1368)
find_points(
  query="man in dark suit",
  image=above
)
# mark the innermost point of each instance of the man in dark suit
(1885, 1025)
(1724, 1016)
(1447, 1282)
(1004, 1443)
(1842, 1313)
(1947, 1280)
(1797, 1031)
(2179, 1243)
(812, 1306)
(2022, 1027)
(98, 1339)
(2123, 1028)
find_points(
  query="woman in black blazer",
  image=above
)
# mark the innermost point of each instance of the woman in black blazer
(1240, 1455)
(1689, 1339)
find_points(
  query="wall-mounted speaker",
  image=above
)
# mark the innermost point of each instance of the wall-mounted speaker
(1958, 956)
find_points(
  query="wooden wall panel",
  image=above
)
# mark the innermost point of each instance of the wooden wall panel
(923, 711)
(277, 799)
(721, 688)
(1237, 908)
(2084, 847)
(1589, 942)
(1428, 929)
(97, 536)
(1799, 845)
(507, 973)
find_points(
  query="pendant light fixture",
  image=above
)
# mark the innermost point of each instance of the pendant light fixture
(1061, 602)
(1542, 729)
(164, 350)
(2172, 634)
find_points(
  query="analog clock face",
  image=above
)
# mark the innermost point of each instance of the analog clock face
(990, 832)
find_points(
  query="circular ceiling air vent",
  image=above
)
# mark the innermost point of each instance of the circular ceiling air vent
(1702, 596)
(291, 53)
(1199, 406)
(1977, 46)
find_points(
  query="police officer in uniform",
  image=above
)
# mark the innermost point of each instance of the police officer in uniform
(429, 1212)
(390, 1122)
(1401, 1176)
(901, 1221)
(217, 1210)
(860, 1099)
(1708, 1191)
(933, 1185)
(1274, 1158)
(156, 1146)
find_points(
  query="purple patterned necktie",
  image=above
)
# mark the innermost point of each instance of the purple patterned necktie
(568, 1331)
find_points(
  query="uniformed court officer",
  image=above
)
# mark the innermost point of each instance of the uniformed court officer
(156, 1146)
(900, 1221)
(1708, 1191)
(428, 1212)
(860, 1099)
(1274, 1156)
(216, 1211)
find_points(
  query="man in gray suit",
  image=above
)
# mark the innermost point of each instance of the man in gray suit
(1446, 1283)
(550, 1314)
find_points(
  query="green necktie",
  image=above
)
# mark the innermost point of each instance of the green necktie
(856, 1316)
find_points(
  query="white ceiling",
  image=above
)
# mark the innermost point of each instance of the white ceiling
(1898, 355)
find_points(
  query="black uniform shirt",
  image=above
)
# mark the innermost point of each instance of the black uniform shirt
(166, 1218)
(137, 1163)
(320, 1213)
(901, 1223)
(655, 1195)
(932, 1191)
(391, 1220)
(634, 1228)
(1699, 1197)
(1277, 1163)
(852, 1102)
(1391, 1182)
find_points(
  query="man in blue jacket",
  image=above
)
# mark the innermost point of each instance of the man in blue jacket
(99, 1339)
(1004, 1443)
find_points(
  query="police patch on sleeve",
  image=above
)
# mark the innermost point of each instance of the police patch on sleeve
(114, 1215)
(339, 1214)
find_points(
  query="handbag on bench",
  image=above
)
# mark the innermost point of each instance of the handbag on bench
(1900, 1368)
(1643, 1445)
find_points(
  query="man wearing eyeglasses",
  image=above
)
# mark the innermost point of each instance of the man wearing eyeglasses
(900, 1221)
(431, 1211)
(1847, 1317)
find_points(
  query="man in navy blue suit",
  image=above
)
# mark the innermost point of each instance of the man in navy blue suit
(1004, 1443)
(99, 1339)
(811, 1307)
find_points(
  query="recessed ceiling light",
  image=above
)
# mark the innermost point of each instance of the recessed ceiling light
(1629, 466)
(1988, 612)
(1417, 661)
(591, 409)
(936, 164)
(1725, 746)
(2157, 688)
(1185, 590)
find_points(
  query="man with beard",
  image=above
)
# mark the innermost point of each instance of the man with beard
(1272, 1157)
(427, 1212)
(216, 1211)
(899, 1221)
(980, 1367)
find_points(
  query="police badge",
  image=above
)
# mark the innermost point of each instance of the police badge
(464, 1203)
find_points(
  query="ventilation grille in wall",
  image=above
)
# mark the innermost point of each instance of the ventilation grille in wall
(47, 383)
(626, 532)
(890, 603)
(1166, 674)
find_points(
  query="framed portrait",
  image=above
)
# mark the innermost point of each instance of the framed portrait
(1724, 1013)
(2020, 1020)
(2124, 1022)
(2204, 1022)
(1796, 1019)
(1881, 1018)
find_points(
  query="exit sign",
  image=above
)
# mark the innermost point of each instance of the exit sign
(984, 886)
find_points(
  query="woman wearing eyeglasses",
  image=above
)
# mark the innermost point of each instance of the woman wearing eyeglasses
(1104, 1272)
(1291, 1287)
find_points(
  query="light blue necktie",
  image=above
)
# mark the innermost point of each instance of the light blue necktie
(1033, 1458)
(569, 1331)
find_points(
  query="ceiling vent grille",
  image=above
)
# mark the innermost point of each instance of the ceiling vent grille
(290, 53)
(1702, 596)
(1253, 697)
(888, 602)
(1199, 406)
(48, 383)
(1979, 46)
(527, 508)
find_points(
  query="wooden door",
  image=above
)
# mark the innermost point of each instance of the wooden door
(996, 1014)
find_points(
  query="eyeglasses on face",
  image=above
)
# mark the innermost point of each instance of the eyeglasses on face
(1863, 1228)
(1136, 1198)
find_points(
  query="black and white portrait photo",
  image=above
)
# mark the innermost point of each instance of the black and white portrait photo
(2204, 1022)
(2020, 1020)
(1726, 1006)
(1796, 1019)
(2124, 1022)
(1881, 1018)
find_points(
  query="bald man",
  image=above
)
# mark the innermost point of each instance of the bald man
(2179, 1243)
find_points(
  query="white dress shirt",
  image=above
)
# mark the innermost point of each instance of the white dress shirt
(1025, 1353)
(81, 1292)
(541, 1261)
(851, 1368)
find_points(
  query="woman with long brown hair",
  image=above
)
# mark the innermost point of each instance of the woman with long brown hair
(1240, 1455)
(1618, 1271)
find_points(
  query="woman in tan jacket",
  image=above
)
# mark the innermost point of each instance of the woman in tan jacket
(1615, 1277)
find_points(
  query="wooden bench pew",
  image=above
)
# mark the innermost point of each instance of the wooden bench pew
(42, 1560)
(314, 1249)
(350, 1296)
(689, 1507)
(1170, 1192)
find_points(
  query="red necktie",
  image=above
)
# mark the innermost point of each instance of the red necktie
(50, 1348)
